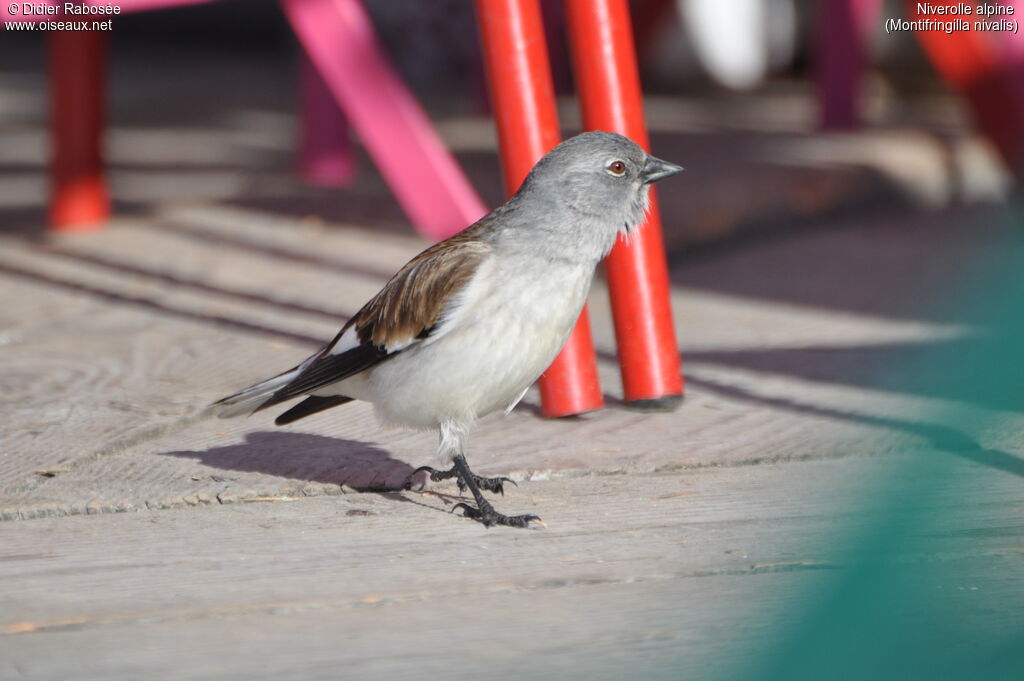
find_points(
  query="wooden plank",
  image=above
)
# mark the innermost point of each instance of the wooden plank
(670, 573)
(121, 339)
(135, 443)
(82, 375)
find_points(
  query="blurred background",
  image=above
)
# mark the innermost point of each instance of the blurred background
(202, 105)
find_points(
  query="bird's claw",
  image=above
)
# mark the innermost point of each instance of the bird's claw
(435, 474)
(490, 484)
(488, 516)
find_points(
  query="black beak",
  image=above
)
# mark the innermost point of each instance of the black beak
(656, 169)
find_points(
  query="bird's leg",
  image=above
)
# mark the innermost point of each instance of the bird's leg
(452, 437)
(483, 512)
(489, 484)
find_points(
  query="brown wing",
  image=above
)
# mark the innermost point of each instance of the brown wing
(410, 305)
(406, 311)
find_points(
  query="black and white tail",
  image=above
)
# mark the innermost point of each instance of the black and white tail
(248, 400)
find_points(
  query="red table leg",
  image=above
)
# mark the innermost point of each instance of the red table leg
(609, 86)
(987, 68)
(77, 62)
(517, 64)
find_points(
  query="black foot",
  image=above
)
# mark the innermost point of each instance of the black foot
(483, 512)
(489, 484)
(488, 516)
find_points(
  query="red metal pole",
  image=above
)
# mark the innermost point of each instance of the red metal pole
(517, 64)
(987, 68)
(609, 84)
(78, 199)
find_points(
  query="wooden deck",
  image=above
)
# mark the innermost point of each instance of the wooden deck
(144, 541)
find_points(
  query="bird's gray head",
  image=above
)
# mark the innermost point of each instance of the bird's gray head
(603, 178)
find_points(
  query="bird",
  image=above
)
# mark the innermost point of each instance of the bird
(467, 326)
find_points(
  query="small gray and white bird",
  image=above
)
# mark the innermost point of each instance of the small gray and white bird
(465, 327)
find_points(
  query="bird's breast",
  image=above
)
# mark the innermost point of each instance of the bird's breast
(505, 331)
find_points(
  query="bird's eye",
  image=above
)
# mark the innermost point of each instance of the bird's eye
(616, 168)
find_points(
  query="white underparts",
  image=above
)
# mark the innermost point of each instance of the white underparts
(452, 439)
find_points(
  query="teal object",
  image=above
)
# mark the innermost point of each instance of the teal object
(912, 596)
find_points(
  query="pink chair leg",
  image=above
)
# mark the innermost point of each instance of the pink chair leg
(426, 180)
(325, 156)
(843, 28)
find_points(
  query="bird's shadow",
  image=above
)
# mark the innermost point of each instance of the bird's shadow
(306, 457)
